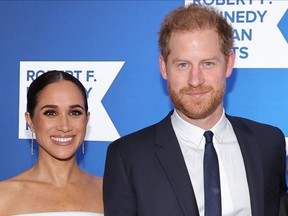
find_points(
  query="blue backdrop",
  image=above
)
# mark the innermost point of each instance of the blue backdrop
(113, 31)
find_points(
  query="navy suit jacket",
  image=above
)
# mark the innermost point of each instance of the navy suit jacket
(145, 173)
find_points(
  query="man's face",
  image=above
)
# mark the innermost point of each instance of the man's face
(196, 73)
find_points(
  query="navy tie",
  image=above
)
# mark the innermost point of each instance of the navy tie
(211, 178)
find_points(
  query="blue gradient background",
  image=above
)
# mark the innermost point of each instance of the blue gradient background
(112, 31)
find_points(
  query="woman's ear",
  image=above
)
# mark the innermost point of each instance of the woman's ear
(87, 116)
(29, 121)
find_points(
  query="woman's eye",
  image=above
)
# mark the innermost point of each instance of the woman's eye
(50, 113)
(76, 113)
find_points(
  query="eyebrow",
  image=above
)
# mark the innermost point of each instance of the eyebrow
(212, 58)
(49, 106)
(179, 60)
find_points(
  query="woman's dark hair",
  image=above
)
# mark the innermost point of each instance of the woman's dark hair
(48, 78)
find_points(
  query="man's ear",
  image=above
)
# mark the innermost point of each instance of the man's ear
(162, 66)
(230, 64)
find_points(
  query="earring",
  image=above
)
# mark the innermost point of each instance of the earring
(83, 148)
(32, 144)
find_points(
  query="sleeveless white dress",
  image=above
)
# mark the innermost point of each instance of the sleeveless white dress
(65, 213)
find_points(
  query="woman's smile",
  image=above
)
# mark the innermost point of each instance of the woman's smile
(62, 140)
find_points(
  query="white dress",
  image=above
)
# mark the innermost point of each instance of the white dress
(64, 213)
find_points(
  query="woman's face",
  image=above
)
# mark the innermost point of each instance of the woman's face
(59, 120)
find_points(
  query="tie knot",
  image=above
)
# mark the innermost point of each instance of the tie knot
(208, 136)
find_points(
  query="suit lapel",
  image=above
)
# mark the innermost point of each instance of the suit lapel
(253, 166)
(170, 156)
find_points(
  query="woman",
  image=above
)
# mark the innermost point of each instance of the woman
(57, 112)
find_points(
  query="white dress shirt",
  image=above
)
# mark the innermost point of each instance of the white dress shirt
(235, 197)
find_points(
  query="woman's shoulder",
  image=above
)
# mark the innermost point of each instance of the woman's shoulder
(93, 187)
(10, 189)
(5, 187)
(68, 213)
(92, 179)
(95, 182)
(11, 185)
(13, 190)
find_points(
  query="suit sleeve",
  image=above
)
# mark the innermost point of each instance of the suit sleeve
(283, 208)
(118, 193)
(283, 185)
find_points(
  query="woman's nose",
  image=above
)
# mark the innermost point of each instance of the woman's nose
(64, 124)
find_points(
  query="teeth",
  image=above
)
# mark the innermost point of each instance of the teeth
(59, 139)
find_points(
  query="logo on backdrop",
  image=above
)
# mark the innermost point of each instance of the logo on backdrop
(260, 30)
(96, 77)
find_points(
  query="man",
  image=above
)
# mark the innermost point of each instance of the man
(159, 171)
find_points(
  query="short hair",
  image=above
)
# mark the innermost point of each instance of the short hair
(48, 78)
(191, 18)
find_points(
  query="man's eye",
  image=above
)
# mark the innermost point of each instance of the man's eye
(183, 65)
(208, 64)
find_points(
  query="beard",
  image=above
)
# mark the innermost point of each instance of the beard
(197, 108)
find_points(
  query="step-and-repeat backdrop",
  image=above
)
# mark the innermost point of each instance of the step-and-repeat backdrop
(111, 46)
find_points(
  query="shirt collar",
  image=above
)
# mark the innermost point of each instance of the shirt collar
(194, 133)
